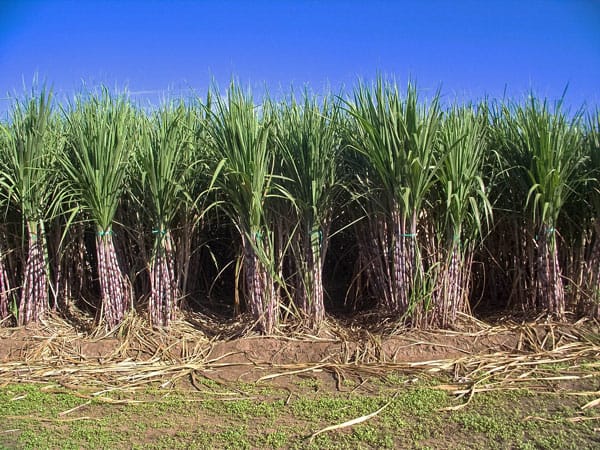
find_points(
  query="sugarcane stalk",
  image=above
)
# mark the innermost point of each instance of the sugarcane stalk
(317, 312)
(312, 294)
(5, 290)
(550, 289)
(399, 288)
(163, 294)
(259, 286)
(114, 288)
(34, 293)
(593, 264)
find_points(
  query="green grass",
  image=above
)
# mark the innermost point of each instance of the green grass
(270, 418)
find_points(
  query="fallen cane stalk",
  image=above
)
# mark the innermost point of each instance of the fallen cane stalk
(49, 419)
(69, 411)
(293, 372)
(352, 422)
(591, 404)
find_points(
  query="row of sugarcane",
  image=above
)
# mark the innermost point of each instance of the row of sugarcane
(429, 208)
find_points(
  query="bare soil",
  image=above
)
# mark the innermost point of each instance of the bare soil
(56, 344)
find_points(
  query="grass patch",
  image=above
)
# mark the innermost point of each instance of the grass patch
(34, 417)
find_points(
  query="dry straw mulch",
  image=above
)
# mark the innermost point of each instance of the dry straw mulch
(541, 356)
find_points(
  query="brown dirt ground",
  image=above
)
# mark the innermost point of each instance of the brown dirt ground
(41, 342)
(235, 358)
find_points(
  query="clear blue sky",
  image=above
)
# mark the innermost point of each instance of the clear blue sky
(470, 48)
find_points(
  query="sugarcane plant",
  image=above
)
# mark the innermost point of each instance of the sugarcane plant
(542, 151)
(7, 298)
(592, 261)
(309, 141)
(410, 185)
(163, 168)
(97, 152)
(195, 209)
(30, 185)
(238, 139)
(396, 137)
(463, 208)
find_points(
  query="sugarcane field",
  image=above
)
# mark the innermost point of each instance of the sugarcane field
(378, 267)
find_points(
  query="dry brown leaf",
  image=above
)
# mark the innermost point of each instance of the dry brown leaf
(352, 422)
(591, 404)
